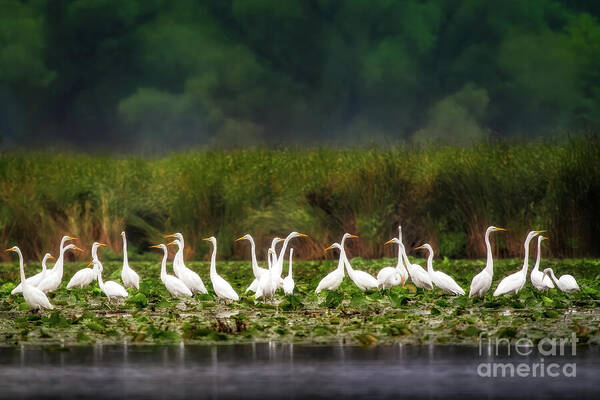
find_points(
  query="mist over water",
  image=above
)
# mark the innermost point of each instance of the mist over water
(153, 76)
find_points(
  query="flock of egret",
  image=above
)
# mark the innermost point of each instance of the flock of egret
(267, 281)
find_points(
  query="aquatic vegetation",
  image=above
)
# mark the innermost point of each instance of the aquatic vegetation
(347, 315)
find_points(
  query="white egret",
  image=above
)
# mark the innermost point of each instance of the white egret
(128, 275)
(540, 280)
(33, 296)
(418, 275)
(393, 276)
(288, 281)
(482, 281)
(362, 279)
(440, 279)
(278, 262)
(174, 285)
(515, 282)
(111, 289)
(53, 277)
(566, 283)
(334, 279)
(37, 278)
(267, 284)
(221, 287)
(191, 279)
(82, 278)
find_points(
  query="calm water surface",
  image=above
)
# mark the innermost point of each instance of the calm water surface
(283, 371)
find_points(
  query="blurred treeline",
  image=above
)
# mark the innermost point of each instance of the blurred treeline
(446, 196)
(154, 74)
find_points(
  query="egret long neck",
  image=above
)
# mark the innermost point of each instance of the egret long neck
(100, 281)
(163, 266)
(179, 254)
(253, 254)
(346, 262)
(125, 260)
(44, 267)
(526, 259)
(213, 260)
(405, 257)
(279, 260)
(399, 263)
(58, 265)
(430, 262)
(21, 268)
(489, 265)
(290, 266)
(539, 256)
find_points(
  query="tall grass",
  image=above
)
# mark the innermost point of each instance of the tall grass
(446, 196)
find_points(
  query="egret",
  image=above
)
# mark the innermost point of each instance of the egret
(418, 275)
(515, 282)
(540, 280)
(362, 279)
(53, 277)
(82, 278)
(278, 261)
(257, 270)
(334, 279)
(191, 279)
(111, 289)
(129, 277)
(37, 278)
(566, 283)
(482, 281)
(33, 296)
(288, 281)
(393, 276)
(221, 287)
(174, 285)
(440, 279)
(267, 284)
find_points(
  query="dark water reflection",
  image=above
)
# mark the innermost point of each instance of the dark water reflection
(280, 371)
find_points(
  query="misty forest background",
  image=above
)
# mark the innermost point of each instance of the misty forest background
(231, 117)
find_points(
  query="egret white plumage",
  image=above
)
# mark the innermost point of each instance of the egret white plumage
(439, 278)
(515, 282)
(334, 279)
(363, 280)
(53, 277)
(418, 275)
(566, 283)
(393, 276)
(191, 279)
(85, 276)
(174, 285)
(540, 280)
(128, 275)
(482, 281)
(37, 278)
(221, 287)
(34, 297)
(111, 289)
(278, 262)
(288, 281)
(267, 285)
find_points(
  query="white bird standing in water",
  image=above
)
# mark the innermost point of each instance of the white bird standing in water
(540, 280)
(111, 289)
(515, 282)
(221, 287)
(482, 281)
(37, 278)
(566, 283)
(174, 285)
(128, 275)
(34, 297)
(440, 279)
(267, 284)
(418, 275)
(53, 277)
(393, 276)
(85, 276)
(191, 279)
(362, 279)
(288, 281)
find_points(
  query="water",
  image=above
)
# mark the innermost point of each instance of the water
(281, 371)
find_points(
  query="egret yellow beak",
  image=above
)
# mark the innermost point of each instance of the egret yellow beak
(540, 231)
(78, 249)
(206, 239)
(240, 238)
(155, 246)
(301, 235)
(101, 245)
(329, 248)
(51, 256)
(389, 241)
(170, 236)
(544, 237)
(71, 238)
(420, 247)
(9, 250)
(353, 236)
(283, 240)
(500, 229)
(170, 243)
